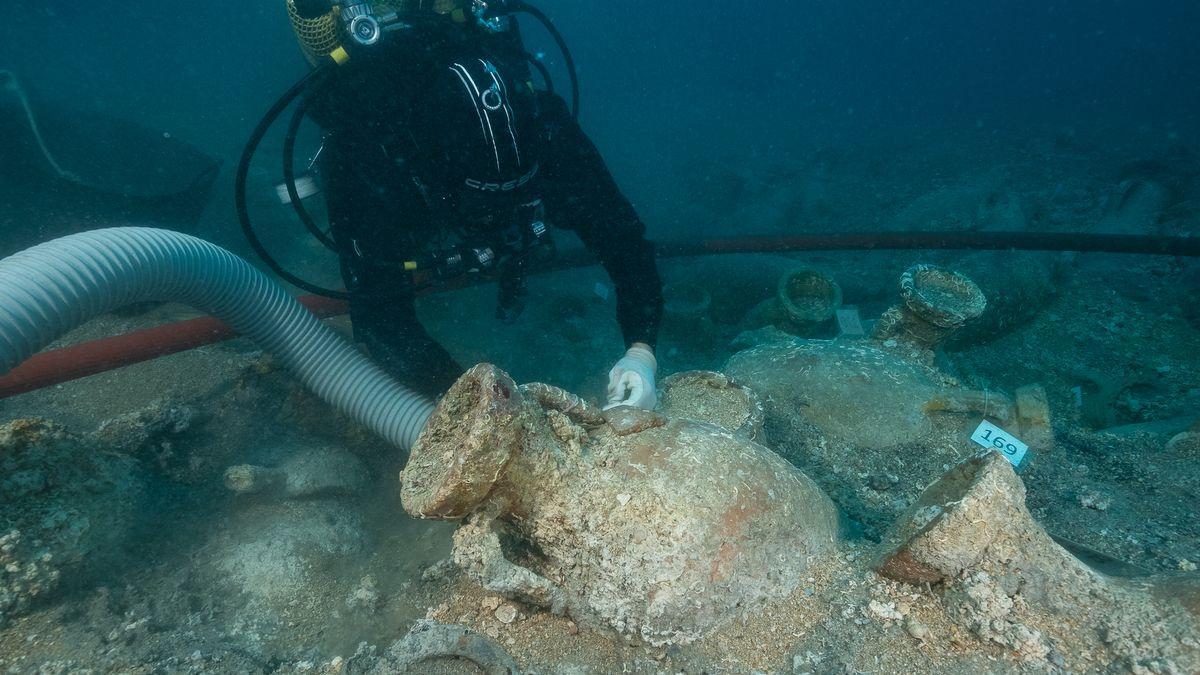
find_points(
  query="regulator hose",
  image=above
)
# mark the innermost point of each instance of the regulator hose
(521, 6)
(289, 176)
(51, 288)
(312, 79)
(542, 70)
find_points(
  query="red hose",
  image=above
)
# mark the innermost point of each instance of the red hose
(88, 358)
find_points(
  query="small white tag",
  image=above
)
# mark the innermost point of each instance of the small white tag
(601, 290)
(993, 437)
(849, 322)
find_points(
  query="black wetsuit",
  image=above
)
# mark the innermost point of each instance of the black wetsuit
(393, 168)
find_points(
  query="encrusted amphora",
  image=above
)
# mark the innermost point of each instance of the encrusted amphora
(661, 528)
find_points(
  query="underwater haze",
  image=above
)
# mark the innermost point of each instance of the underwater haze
(922, 393)
(661, 80)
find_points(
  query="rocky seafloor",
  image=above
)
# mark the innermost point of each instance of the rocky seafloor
(202, 513)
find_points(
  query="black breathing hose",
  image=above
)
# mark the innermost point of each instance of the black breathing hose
(289, 176)
(313, 78)
(538, 14)
(542, 70)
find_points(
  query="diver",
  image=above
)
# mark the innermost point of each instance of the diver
(439, 158)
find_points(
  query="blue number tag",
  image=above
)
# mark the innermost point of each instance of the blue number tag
(993, 437)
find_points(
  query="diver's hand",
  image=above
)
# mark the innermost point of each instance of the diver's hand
(631, 381)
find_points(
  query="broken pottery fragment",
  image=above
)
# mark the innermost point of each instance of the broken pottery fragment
(658, 527)
(972, 532)
(935, 303)
(307, 473)
(708, 396)
(297, 518)
(804, 304)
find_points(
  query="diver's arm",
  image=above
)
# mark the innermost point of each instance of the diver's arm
(628, 257)
(581, 195)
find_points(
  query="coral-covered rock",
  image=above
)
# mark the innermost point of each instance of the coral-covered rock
(67, 504)
(1008, 582)
(24, 575)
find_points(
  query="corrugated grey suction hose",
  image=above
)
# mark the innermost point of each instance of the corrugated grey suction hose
(51, 288)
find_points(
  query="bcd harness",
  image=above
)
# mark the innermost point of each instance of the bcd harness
(477, 181)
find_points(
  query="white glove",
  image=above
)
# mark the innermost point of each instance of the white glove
(631, 381)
